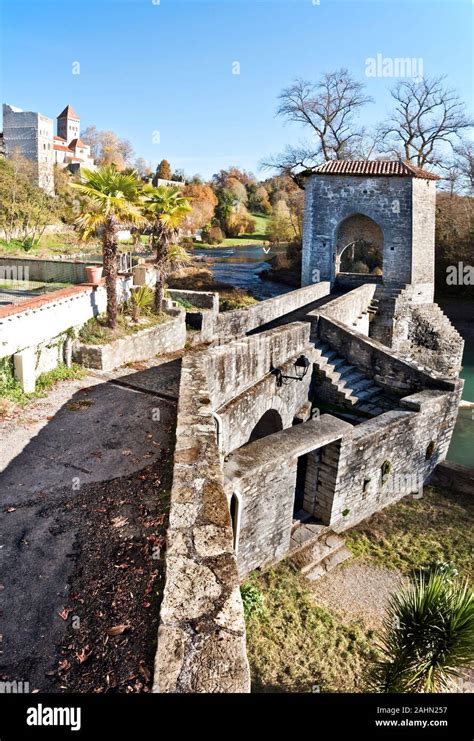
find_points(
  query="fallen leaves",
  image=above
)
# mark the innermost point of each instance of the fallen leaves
(83, 654)
(119, 521)
(64, 614)
(117, 630)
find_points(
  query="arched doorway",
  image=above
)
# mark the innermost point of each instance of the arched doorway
(359, 246)
(268, 423)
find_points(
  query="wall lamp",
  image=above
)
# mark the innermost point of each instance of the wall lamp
(301, 368)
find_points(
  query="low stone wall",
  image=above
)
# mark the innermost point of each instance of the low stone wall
(163, 338)
(201, 638)
(351, 308)
(49, 271)
(392, 455)
(352, 280)
(232, 324)
(199, 299)
(378, 361)
(453, 477)
(233, 368)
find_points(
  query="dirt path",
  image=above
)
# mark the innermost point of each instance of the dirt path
(83, 493)
(357, 589)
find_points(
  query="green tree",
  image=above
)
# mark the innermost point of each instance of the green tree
(224, 208)
(114, 202)
(165, 208)
(26, 209)
(428, 635)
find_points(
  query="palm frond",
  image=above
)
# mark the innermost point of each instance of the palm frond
(428, 635)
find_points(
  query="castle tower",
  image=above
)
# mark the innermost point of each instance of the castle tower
(69, 124)
(30, 135)
(389, 205)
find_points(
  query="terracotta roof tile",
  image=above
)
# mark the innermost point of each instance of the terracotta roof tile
(77, 143)
(373, 167)
(37, 303)
(69, 112)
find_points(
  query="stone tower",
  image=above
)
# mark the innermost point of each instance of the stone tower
(30, 135)
(69, 124)
(390, 203)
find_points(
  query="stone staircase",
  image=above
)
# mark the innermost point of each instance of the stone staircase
(346, 386)
(382, 311)
(316, 549)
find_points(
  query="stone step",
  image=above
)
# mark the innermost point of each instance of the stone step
(329, 355)
(328, 564)
(367, 394)
(361, 385)
(350, 379)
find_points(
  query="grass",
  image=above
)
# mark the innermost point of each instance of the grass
(12, 394)
(294, 645)
(417, 532)
(258, 236)
(96, 331)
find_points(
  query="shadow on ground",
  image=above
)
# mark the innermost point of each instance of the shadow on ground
(84, 515)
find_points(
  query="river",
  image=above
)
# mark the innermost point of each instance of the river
(240, 266)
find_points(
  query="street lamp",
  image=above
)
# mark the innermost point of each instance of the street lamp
(301, 365)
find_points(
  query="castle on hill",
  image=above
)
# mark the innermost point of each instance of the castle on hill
(31, 134)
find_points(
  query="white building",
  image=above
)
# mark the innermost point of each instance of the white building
(31, 135)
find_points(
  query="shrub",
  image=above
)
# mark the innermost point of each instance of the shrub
(212, 234)
(253, 601)
(141, 299)
(428, 635)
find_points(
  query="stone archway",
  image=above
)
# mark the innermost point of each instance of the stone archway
(359, 245)
(268, 423)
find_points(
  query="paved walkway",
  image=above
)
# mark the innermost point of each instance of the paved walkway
(99, 428)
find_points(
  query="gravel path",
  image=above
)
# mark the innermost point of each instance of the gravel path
(358, 590)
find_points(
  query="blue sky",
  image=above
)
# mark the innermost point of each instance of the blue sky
(166, 67)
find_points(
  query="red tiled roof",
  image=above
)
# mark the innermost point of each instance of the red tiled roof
(69, 112)
(373, 167)
(61, 148)
(38, 303)
(60, 138)
(77, 143)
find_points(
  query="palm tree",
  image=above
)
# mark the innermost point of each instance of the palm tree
(165, 209)
(114, 198)
(428, 635)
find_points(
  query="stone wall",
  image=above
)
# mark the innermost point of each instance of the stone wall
(378, 361)
(392, 455)
(234, 368)
(351, 308)
(167, 337)
(49, 271)
(262, 476)
(239, 416)
(423, 234)
(201, 638)
(233, 324)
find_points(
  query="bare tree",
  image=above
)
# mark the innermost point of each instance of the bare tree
(327, 109)
(427, 118)
(464, 159)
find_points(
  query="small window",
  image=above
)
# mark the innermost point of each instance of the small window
(430, 450)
